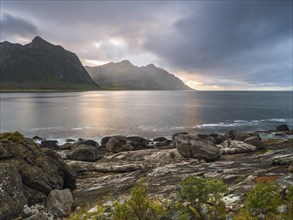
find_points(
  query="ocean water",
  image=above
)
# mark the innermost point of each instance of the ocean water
(145, 113)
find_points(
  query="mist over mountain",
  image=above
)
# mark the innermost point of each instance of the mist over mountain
(124, 75)
(41, 65)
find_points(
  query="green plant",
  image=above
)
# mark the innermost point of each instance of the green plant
(265, 197)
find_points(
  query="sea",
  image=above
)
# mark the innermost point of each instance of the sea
(95, 114)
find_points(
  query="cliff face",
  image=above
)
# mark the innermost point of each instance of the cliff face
(124, 75)
(42, 65)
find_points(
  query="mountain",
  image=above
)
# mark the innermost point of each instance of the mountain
(41, 65)
(124, 75)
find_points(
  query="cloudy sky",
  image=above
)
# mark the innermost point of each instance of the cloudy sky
(221, 45)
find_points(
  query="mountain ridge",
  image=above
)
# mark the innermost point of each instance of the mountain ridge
(126, 76)
(40, 65)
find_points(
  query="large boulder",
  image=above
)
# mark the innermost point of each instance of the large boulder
(174, 135)
(190, 147)
(59, 202)
(117, 144)
(231, 134)
(283, 127)
(41, 169)
(89, 142)
(137, 142)
(52, 144)
(12, 198)
(242, 136)
(85, 153)
(256, 141)
(236, 147)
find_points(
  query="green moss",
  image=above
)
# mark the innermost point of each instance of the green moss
(12, 136)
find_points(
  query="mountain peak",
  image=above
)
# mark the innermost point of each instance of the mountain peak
(38, 39)
(151, 66)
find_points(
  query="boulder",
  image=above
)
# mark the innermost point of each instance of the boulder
(236, 147)
(116, 144)
(37, 138)
(174, 135)
(160, 139)
(12, 198)
(66, 146)
(231, 134)
(70, 140)
(216, 138)
(41, 169)
(290, 168)
(242, 136)
(283, 127)
(137, 142)
(52, 144)
(89, 142)
(256, 141)
(104, 140)
(190, 147)
(59, 202)
(85, 153)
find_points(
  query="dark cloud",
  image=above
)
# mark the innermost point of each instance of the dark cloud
(224, 43)
(243, 40)
(12, 26)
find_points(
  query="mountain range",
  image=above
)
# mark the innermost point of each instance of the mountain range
(124, 75)
(40, 65)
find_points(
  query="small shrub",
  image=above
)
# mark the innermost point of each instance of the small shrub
(265, 197)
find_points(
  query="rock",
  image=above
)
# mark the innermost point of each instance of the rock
(242, 136)
(282, 127)
(256, 141)
(66, 146)
(89, 142)
(104, 140)
(41, 169)
(190, 147)
(290, 168)
(231, 134)
(27, 211)
(236, 147)
(160, 139)
(37, 138)
(70, 140)
(174, 135)
(137, 142)
(59, 202)
(52, 144)
(85, 153)
(117, 144)
(216, 138)
(12, 198)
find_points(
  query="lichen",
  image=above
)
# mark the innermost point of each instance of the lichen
(12, 136)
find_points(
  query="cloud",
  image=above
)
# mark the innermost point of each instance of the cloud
(16, 27)
(217, 43)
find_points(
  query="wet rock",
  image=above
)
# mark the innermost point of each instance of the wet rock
(12, 198)
(174, 135)
(190, 147)
(236, 147)
(104, 140)
(117, 144)
(137, 143)
(37, 138)
(231, 134)
(66, 146)
(59, 202)
(70, 140)
(52, 144)
(282, 127)
(242, 136)
(85, 153)
(41, 169)
(89, 142)
(256, 141)
(160, 139)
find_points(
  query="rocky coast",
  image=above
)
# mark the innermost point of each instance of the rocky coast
(40, 179)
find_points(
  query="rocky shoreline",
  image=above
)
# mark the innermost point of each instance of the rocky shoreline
(42, 180)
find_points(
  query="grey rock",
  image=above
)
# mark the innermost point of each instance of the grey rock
(52, 144)
(89, 142)
(12, 198)
(85, 153)
(160, 139)
(59, 202)
(174, 135)
(231, 134)
(282, 127)
(256, 141)
(117, 144)
(242, 136)
(190, 147)
(290, 168)
(66, 146)
(236, 147)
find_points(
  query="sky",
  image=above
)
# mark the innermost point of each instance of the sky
(210, 45)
